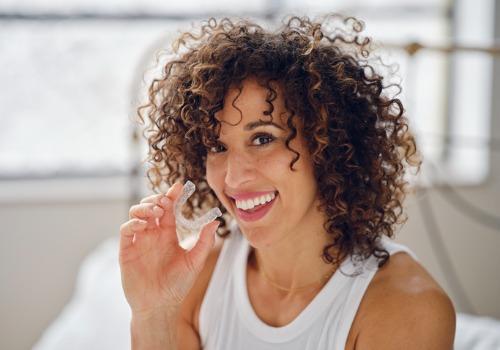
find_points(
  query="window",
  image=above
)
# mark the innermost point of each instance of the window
(71, 74)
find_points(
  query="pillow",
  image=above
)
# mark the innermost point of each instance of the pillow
(97, 316)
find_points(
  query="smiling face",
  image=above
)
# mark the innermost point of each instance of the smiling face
(249, 169)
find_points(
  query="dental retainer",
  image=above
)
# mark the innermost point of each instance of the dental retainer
(195, 224)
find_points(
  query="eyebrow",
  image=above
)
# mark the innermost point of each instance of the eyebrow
(254, 125)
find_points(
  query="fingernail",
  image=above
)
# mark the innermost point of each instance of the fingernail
(165, 200)
(170, 189)
(157, 210)
(142, 222)
(217, 226)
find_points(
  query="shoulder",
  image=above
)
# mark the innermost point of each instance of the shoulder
(403, 308)
(190, 309)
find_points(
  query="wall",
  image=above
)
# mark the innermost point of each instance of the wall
(472, 245)
(42, 245)
(44, 239)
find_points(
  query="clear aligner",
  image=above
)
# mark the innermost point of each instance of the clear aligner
(187, 191)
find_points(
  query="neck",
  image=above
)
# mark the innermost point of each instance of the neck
(296, 264)
(309, 286)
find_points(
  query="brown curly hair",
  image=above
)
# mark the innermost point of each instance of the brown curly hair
(356, 132)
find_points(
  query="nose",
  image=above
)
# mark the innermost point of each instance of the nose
(240, 169)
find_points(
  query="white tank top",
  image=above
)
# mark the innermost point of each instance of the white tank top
(228, 321)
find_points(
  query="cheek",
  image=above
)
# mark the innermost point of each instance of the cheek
(213, 174)
(209, 172)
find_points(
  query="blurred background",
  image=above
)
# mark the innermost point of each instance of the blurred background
(71, 76)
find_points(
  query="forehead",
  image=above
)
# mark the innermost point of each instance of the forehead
(251, 102)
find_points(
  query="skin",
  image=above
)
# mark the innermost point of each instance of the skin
(252, 158)
(403, 308)
(156, 272)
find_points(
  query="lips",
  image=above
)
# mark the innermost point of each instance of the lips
(248, 204)
(253, 206)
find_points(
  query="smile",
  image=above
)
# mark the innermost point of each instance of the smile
(253, 206)
(247, 204)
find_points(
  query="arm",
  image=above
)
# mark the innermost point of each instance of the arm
(157, 274)
(403, 308)
(425, 320)
(155, 331)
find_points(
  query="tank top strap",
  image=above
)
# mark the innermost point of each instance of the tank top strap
(365, 272)
(217, 287)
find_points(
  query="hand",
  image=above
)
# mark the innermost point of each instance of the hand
(157, 273)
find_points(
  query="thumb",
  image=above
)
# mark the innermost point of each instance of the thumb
(200, 251)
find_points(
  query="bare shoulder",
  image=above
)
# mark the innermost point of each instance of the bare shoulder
(190, 309)
(403, 308)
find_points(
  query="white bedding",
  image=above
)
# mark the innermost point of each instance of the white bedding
(97, 317)
(477, 333)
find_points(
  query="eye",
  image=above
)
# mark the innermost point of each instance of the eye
(262, 139)
(217, 148)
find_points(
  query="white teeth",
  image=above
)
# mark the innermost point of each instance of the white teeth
(251, 203)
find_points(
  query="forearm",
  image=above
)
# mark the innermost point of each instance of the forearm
(155, 332)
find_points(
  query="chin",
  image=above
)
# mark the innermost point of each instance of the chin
(257, 237)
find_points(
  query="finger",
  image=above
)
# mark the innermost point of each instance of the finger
(167, 203)
(128, 231)
(146, 211)
(155, 198)
(200, 251)
(174, 191)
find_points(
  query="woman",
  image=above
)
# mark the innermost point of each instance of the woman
(294, 135)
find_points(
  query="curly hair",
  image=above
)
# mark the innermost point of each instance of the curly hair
(356, 132)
